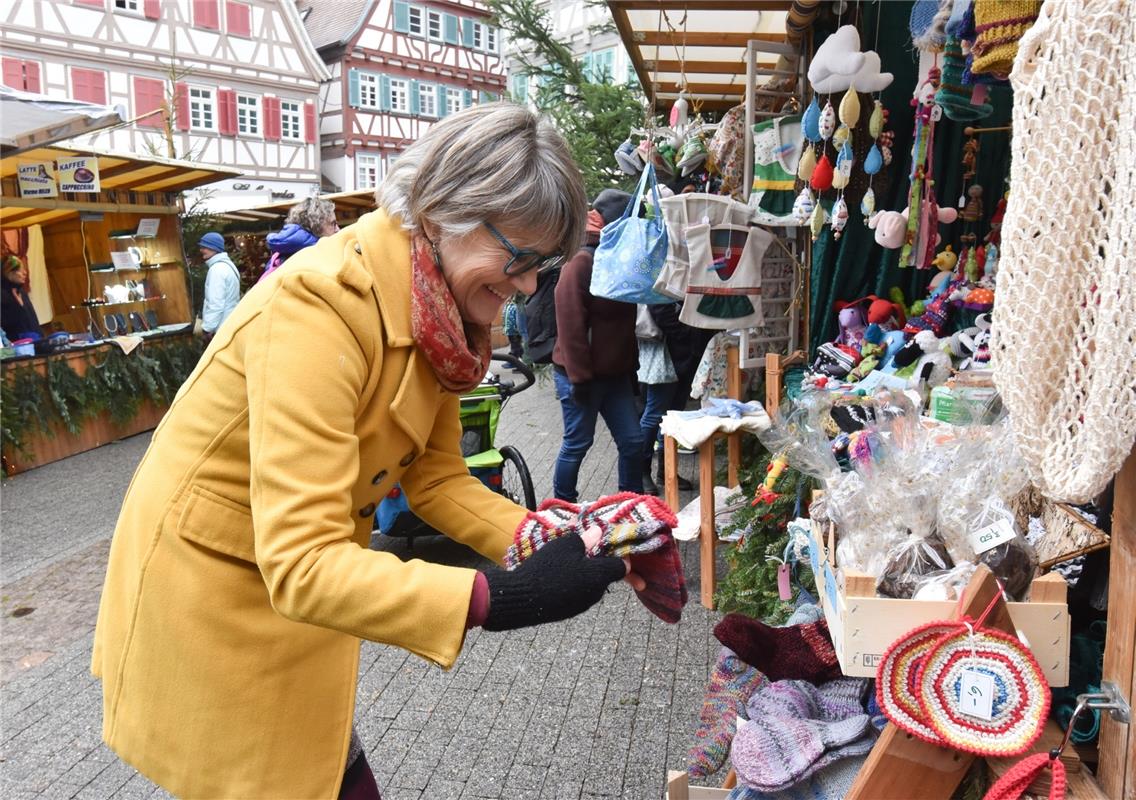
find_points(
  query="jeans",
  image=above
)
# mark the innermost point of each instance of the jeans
(614, 400)
(660, 400)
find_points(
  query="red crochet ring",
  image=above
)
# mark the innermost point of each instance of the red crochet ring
(1014, 783)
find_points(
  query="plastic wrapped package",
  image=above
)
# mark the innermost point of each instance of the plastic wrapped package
(911, 560)
(797, 434)
(948, 585)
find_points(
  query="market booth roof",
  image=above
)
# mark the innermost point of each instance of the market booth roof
(349, 206)
(127, 183)
(706, 40)
(30, 120)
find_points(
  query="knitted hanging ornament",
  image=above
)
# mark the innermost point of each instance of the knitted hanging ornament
(1021, 697)
(952, 95)
(999, 24)
(897, 684)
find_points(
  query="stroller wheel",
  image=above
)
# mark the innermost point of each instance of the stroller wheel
(516, 482)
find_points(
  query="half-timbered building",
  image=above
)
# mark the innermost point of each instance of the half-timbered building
(397, 67)
(233, 83)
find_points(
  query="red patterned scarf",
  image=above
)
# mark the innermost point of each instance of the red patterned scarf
(458, 351)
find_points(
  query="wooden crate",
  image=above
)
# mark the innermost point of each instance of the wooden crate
(863, 626)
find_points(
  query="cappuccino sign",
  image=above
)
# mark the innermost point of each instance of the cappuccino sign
(37, 180)
(78, 174)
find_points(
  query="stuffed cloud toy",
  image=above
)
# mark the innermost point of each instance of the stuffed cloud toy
(839, 64)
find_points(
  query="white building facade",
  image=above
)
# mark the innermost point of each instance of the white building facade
(232, 83)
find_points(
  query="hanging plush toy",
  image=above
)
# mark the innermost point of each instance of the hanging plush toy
(839, 216)
(810, 121)
(827, 121)
(806, 164)
(822, 174)
(838, 63)
(868, 204)
(803, 206)
(891, 226)
(876, 121)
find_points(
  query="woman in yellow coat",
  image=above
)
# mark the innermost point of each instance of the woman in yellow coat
(240, 582)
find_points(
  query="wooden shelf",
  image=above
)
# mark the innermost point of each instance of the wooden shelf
(97, 306)
(160, 265)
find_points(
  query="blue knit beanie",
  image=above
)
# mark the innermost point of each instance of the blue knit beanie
(212, 240)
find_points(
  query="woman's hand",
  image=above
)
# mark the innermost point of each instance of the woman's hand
(591, 537)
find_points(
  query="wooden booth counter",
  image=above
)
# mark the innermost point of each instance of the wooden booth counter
(44, 437)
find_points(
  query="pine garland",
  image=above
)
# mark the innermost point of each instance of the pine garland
(750, 587)
(117, 384)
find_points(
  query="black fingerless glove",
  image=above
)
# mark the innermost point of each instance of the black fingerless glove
(559, 581)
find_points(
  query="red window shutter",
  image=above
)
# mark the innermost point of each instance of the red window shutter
(272, 119)
(311, 133)
(226, 112)
(149, 94)
(181, 106)
(14, 73)
(88, 85)
(205, 14)
(152, 9)
(237, 18)
(31, 76)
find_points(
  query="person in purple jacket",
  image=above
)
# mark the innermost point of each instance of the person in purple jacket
(305, 224)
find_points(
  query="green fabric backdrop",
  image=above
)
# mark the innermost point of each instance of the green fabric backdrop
(855, 265)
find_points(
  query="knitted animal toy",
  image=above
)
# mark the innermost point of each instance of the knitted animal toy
(945, 262)
(932, 363)
(851, 320)
(891, 226)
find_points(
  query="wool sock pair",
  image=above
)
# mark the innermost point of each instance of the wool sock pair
(636, 527)
(795, 652)
(799, 729)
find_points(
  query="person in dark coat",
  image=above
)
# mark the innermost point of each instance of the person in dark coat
(594, 363)
(17, 314)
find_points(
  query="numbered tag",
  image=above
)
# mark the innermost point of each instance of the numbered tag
(783, 588)
(936, 113)
(976, 694)
(991, 536)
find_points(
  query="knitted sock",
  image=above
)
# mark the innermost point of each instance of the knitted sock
(798, 652)
(665, 593)
(731, 684)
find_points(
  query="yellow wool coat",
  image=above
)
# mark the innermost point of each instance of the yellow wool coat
(239, 583)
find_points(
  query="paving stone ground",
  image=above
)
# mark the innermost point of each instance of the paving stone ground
(596, 707)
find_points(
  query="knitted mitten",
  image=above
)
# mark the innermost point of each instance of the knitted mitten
(665, 593)
(731, 684)
(797, 652)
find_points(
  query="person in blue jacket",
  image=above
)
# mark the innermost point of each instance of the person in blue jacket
(305, 224)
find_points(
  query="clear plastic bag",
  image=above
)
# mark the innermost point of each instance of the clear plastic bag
(944, 586)
(911, 560)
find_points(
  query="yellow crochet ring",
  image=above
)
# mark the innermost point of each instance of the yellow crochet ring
(1020, 699)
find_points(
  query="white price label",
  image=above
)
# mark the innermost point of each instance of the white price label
(991, 536)
(976, 694)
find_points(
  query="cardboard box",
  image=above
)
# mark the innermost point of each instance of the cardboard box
(863, 626)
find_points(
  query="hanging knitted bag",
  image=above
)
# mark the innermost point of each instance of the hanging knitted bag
(982, 690)
(632, 251)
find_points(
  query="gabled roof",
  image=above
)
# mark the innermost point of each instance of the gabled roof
(331, 24)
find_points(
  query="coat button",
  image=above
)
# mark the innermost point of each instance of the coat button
(367, 510)
(358, 248)
(379, 476)
(406, 459)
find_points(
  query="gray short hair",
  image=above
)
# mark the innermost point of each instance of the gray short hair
(495, 162)
(312, 214)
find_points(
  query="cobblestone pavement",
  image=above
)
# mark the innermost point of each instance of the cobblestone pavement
(599, 706)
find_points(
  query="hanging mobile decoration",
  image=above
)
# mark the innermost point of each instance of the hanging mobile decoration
(868, 204)
(803, 206)
(850, 107)
(807, 164)
(816, 222)
(874, 161)
(842, 135)
(827, 123)
(839, 216)
(876, 121)
(922, 219)
(810, 122)
(844, 161)
(822, 174)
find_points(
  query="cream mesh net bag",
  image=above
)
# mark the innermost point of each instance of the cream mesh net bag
(1064, 333)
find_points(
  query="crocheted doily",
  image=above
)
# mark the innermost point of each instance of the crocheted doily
(897, 688)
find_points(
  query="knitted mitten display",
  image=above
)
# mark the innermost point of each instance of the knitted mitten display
(731, 684)
(796, 652)
(633, 526)
(799, 729)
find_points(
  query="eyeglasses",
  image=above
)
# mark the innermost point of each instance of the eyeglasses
(524, 260)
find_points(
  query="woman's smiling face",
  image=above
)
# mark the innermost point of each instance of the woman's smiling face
(473, 268)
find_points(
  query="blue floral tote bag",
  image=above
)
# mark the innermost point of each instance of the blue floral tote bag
(631, 252)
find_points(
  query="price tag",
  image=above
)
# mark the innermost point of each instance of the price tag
(991, 536)
(784, 590)
(936, 112)
(976, 694)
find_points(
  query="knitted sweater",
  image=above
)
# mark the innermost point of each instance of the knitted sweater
(595, 337)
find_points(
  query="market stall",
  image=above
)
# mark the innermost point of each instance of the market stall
(99, 234)
(936, 502)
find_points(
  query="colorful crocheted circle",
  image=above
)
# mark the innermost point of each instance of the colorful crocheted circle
(1021, 693)
(897, 690)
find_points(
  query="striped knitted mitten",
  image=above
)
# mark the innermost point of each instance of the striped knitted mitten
(633, 526)
(731, 684)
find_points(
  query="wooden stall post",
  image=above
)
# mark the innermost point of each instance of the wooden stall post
(1117, 773)
(670, 472)
(733, 441)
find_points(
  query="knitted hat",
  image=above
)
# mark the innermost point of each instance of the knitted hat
(830, 782)
(998, 25)
(213, 241)
(799, 728)
(953, 96)
(611, 203)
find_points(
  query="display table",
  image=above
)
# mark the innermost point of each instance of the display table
(48, 439)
